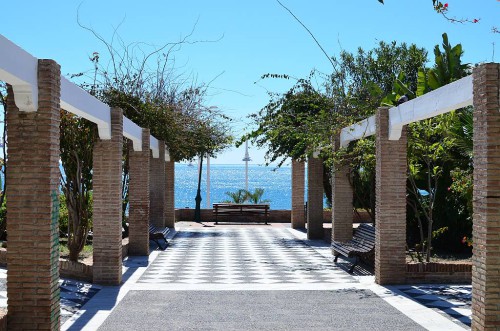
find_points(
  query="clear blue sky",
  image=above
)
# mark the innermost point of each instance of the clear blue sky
(258, 37)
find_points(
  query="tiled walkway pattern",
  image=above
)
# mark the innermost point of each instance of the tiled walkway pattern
(453, 301)
(256, 257)
(74, 294)
(260, 256)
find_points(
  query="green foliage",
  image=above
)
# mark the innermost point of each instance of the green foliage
(439, 232)
(448, 67)
(63, 216)
(433, 146)
(151, 94)
(244, 196)
(154, 96)
(256, 196)
(290, 125)
(77, 139)
(364, 81)
(239, 196)
(307, 117)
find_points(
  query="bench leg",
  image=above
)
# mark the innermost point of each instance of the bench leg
(159, 245)
(354, 264)
(336, 257)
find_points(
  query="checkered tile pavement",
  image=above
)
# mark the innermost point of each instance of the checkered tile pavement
(452, 301)
(242, 256)
(74, 294)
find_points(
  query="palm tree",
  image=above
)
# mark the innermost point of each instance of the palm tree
(239, 196)
(256, 196)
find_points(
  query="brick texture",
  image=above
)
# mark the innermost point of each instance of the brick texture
(107, 213)
(315, 199)
(390, 206)
(157, 187)
(33, 204)
(342, 206)
(139, 197)
(438, 273)
(169, 209)
(298, 187)
(486, 201)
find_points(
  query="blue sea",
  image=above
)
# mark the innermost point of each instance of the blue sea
(276, 183)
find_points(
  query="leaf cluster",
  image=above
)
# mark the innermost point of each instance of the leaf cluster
(242, 196)
(145, 82)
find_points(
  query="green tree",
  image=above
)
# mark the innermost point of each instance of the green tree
(307, 117)
(430, 143)
(256, 196)
(77, 139)
(240, 196)
(153, 95)
(360, 84)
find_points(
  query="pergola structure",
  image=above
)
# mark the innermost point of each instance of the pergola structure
(36, 94)
(481, 90)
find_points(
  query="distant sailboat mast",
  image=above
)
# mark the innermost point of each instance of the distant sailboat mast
(246, 159)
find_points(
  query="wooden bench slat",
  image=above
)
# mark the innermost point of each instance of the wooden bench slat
(229, 209)
(158, 233)
(361, 244)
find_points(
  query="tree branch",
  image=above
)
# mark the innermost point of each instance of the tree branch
(309, 31)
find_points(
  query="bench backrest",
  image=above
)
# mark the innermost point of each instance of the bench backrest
(226, 207)
(241, 205)
(364, 236)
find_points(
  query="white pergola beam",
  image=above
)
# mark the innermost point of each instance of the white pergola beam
(362, 129)
(79, 102)
(133, 132)
(453, 96)
(440, 101)
(19, 69)
(154, 146)
(167, 155)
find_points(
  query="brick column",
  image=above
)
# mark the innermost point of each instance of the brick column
(33, 204)
(390, 205)
(107, 213)
(157, 187)
(486, 201)
(298, 187)
(169, 209)
(342, 207)
(139, 197)
(315, 199)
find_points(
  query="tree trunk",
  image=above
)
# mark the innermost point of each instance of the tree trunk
(429, 239)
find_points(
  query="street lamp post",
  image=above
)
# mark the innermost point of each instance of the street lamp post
(197, 210)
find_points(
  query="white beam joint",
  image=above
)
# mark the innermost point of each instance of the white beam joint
(167, 155)
(362, 129)
(154, 146)
(20, 69)
(79, 102)
(133, 132)
(453, 96)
